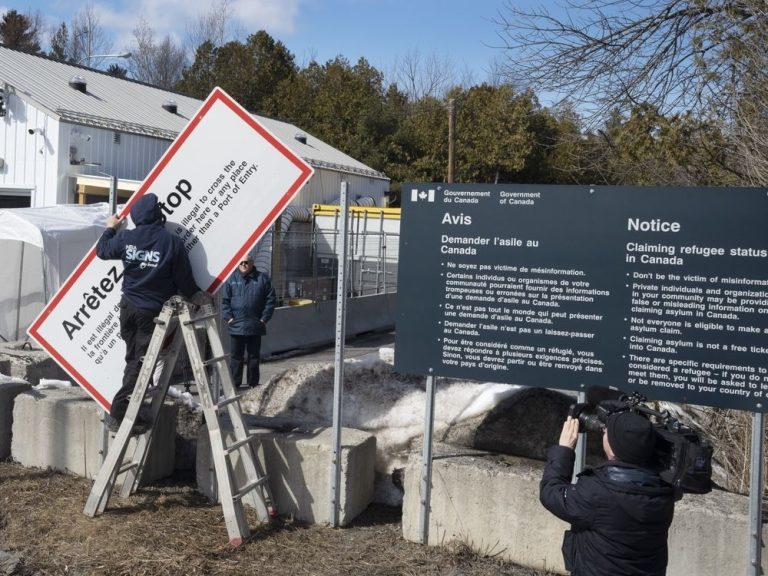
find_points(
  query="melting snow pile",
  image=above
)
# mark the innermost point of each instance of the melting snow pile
(377, 399)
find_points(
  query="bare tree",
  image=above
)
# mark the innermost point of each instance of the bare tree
(672, 54)
(156, 63)
(88, 38)
(703, 56)
(169, 62)
(424, 76)
(215, 26)
(749, 92)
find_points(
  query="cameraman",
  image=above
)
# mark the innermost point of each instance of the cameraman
(619, 511)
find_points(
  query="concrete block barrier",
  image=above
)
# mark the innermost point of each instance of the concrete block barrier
(491, 503)
(8, 392)
(298, 467)
(60, 428)
(30, 364)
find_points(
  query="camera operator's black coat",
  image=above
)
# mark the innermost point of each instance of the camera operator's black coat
(619, 515)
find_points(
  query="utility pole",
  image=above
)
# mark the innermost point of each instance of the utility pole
(451, 140)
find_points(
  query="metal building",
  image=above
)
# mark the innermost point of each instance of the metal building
(66, 130)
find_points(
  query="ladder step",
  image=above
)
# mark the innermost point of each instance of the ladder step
(202, 318)
(239, 444)
(215, 359)
(227, 401)
(126, 467)
(248, 487)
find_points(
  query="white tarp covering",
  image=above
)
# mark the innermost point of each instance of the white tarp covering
(39, 249)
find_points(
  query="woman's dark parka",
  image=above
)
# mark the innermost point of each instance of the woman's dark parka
(249, 302)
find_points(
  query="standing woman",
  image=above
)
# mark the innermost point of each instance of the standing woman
(247, 306)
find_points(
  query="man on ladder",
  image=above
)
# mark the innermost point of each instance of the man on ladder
(155, 267)
(227, 429)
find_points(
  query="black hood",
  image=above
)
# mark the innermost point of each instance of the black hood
(147, 211)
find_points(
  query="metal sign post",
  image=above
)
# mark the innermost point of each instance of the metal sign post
(338, 379)
(426, 460)
(104, 443)
(112, 194)
(18, 299)
(756, 497)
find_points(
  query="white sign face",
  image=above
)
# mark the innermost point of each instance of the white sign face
(221, 184)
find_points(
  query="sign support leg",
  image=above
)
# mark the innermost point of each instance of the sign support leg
(338, 378)
(756, 497)
(426, 461)
(104, 442)
(18, 296)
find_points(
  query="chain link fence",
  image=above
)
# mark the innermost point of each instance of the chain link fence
(305, 265)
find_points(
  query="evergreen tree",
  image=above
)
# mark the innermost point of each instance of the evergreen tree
(20, 31)
(117, 71)
(250, 72)
(198, 79)
(60, 44)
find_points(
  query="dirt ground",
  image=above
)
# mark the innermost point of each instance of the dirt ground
(170, 529)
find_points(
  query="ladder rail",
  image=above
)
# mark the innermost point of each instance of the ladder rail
(260, 497)
(110, 469)
(144, 442)
(234, 515)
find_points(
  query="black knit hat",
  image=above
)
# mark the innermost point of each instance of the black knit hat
(632, 437)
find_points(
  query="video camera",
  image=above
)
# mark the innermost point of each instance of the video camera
(681, 458)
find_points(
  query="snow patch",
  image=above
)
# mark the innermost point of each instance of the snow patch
(389, 405)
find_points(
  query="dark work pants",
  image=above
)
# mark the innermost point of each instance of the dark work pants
(136, 327)
(238, 347)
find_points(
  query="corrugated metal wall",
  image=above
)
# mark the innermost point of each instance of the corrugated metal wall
(27, 158)
(134, 156)
(325, 188)
(127, 156)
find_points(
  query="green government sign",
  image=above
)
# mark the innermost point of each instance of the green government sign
(663, 291)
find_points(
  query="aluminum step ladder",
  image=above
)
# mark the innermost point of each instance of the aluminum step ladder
(180, 322)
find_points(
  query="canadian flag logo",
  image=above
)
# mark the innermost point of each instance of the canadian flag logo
(421, 195)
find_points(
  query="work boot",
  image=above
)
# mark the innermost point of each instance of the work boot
(139, 427)
(112, 423)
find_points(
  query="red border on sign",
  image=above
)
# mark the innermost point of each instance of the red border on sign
(217, 95)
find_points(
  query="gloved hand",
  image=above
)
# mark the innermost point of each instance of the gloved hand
(114, 221)
(201, 298)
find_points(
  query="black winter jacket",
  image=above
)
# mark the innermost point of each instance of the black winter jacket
(155, 264)
(619, 515)
(249, 302)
